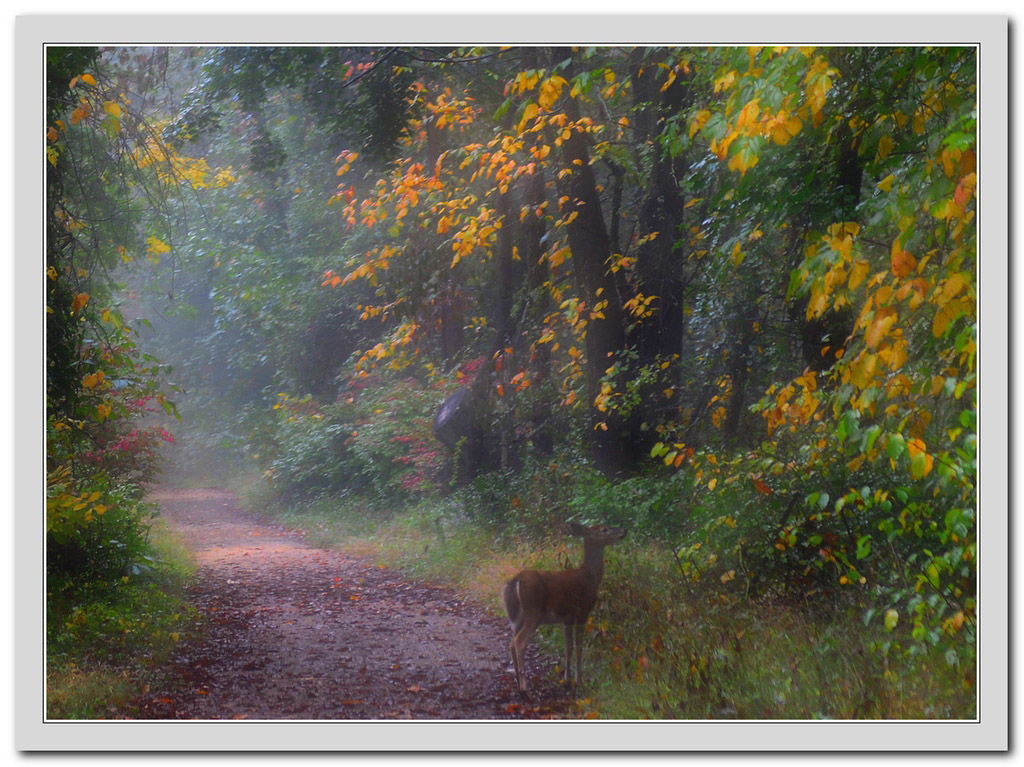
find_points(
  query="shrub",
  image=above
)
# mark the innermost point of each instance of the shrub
(375, 441)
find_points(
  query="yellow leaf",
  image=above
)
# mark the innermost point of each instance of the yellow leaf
(885, 145)
(737, 255)
(88, 79)
(550, 90)
(886, 183)
(952, 287)
(712, 484)
(155, 246)
(858, 272)
(862, 371)
(915, 446)
(817, 305)
(528, 114)
(698, 121)
(897, 355)
(884, 320)
(112, 108)
(725, 82)
(946, 315)
(93, 379)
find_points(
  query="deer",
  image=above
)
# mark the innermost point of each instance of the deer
(534, 597)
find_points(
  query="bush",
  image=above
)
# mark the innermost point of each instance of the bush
(98, 468)
(375, 441)
(649, 505)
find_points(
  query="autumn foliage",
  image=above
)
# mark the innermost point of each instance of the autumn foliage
(862, 453)
(734, 287)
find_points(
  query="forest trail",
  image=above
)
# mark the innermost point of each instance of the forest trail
(291, 631)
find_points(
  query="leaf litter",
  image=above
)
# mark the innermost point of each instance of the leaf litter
(290, 631)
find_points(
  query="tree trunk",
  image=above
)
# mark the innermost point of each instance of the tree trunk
(660, 263)
(590, 245)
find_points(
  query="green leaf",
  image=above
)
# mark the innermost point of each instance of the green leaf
(503, 109)
(895, 446)
(863, 546)
(796, 281)
(870, 437)
(848, 424)
(919, 465)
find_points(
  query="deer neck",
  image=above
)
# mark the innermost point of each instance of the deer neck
(593, 562)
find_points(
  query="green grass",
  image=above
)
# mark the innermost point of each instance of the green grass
(104, 638)
(658, 644)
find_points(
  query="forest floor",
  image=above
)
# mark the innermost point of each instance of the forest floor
(290, 631)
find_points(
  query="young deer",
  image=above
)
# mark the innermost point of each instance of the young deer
(533, 597)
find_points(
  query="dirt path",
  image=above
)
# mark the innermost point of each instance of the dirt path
(296, 632)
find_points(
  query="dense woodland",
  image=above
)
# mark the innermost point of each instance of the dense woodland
(725, 297)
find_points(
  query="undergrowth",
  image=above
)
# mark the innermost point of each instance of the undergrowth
(105, 636)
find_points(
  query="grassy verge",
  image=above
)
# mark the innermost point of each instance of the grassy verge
(103, 638)
(658, 644)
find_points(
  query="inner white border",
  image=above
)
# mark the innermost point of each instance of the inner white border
(32, 32)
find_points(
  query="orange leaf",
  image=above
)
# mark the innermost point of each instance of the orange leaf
(903, 263)
(79, 301)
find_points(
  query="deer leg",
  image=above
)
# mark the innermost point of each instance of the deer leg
(579, 653)
(568, 654)
(522, 634)
(516, 665)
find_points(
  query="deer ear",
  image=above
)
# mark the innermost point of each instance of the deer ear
(575, 528)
